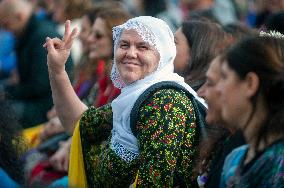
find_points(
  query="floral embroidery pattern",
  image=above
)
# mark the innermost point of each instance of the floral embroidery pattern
(166, 139)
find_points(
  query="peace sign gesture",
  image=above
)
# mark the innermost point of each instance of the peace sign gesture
(59, 50)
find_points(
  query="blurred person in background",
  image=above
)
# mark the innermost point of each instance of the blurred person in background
(101, 50)
(31, 96)
(164, 10)
(197, 42)
(260, 10)
(220, 11)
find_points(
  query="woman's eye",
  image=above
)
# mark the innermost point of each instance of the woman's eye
(142, 47)
(123, 46)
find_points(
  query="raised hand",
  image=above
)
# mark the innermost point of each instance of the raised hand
(59, 50)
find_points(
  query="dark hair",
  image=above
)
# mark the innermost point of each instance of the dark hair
(206, 40)
(265, 57)
(276, 22)
(92, 11)
(153, 8)
(11, 143)
(76, 8)
(113, 17)
(238, 31)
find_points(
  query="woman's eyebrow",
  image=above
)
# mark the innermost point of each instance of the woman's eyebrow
(123, 41)
(143, 43)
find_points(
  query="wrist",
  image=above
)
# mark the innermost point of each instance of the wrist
(53, 72)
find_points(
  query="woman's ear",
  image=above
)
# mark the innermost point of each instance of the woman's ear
(252, 84)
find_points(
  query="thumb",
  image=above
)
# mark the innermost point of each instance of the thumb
(49, 45)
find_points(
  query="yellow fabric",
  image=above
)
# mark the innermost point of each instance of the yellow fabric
(76, 174)
(136, 179)
(31, 135)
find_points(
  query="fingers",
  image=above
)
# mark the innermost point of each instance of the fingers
(67, 30)
(69, 40)
(69, 35)
(52, 44)
(49, 44)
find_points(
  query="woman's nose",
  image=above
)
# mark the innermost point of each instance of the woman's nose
(131, 52)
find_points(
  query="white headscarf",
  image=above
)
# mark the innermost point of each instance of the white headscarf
(158, 34)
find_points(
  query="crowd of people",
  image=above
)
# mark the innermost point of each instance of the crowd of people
(141, 93)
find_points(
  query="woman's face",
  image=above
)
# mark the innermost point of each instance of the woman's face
(85, 32)
(210, 93)
(183, 52)
(234, 97)
(134, 57)
(100, 43)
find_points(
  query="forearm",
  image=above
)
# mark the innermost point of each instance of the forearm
(67, 104)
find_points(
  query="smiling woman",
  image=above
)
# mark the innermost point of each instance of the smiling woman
(156, 145)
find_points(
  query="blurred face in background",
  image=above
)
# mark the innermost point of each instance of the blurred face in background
(9, 23)
(235, 97)
(100, 43)
(183, 53)
(11, 20)
(211, 95)
(84, 33)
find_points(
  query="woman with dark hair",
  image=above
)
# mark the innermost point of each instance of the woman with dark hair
(251, 91)
(198, 42)
(11, 147)
(221, 139)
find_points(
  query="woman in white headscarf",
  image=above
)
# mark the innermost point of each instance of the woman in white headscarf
(150, 127)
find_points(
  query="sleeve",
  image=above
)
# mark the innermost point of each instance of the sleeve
(95, 128)
(96, 124)
(162, 130)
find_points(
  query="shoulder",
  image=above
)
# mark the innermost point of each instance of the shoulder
(93, 112)
(166, 96)
(167, 102)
